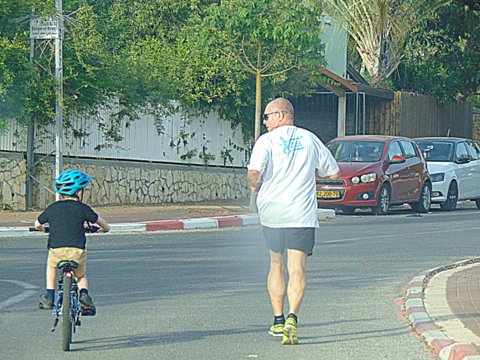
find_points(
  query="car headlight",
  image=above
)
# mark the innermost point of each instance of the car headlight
(365, 178)
(437, 177)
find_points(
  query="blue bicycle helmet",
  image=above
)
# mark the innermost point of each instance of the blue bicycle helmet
(70, 181)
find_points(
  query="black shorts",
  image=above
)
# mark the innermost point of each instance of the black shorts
(278, 239)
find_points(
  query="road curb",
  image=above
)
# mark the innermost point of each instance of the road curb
(167, 225)
(219, 222)
(445, 348)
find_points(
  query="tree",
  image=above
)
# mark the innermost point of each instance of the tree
(97, 71)
(442, 57)
(379, 29)
(274, 40)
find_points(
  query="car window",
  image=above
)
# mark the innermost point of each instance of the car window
(356, 150)
(394, 150)
(461, 151)
(409, 149)
(437, 150)
(473, 150)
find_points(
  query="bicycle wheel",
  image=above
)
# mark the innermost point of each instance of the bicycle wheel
(66, 314)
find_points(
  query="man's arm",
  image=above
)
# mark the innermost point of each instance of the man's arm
(255, 179)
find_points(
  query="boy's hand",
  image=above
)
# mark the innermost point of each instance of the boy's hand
(104, 227)
(39, 226)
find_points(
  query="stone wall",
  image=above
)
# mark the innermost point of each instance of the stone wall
(12, 181)
(127, 182)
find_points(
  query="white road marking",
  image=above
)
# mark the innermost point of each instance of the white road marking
(29, 290)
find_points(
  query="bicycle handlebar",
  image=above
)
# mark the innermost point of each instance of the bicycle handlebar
(89, 229)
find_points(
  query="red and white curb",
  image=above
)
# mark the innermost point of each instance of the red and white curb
(444, 347)
(219, 222)
(166, 225)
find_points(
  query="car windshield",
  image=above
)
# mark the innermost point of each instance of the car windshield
(356, 150)
(436, 150)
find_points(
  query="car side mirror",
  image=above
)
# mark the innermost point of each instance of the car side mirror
(463, 160)
(397, 159)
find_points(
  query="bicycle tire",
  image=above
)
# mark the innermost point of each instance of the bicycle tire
(66, 313)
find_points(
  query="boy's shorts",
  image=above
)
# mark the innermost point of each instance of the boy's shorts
(279, 239)
(68, 253)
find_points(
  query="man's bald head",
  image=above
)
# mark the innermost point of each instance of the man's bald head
(283, 105)
(278, 112)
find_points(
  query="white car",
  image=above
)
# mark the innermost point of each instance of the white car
(454, 167)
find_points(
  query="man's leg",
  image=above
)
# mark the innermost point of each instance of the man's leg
(297, 283)
(276, 282)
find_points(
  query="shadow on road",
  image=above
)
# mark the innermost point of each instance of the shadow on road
(153, 339)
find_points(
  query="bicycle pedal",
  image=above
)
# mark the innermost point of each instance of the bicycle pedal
(88, 311)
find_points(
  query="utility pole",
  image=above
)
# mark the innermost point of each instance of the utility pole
(59, 93)
(30, 145)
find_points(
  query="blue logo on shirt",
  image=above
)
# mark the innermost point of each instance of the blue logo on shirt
(291, 145)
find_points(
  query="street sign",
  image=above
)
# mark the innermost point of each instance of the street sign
(44, 28)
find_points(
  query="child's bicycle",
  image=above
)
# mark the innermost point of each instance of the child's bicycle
(66, 307)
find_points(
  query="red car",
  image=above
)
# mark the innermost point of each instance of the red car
(376, 172)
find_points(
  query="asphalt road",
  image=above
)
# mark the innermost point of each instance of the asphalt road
(202, 294)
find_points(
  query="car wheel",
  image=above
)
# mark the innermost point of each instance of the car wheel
(383, 203)
(452, 198)
(423, 204)
(478, 203)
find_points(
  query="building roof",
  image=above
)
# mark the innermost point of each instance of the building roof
(358, 85)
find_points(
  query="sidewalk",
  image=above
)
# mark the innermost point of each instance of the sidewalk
(443, 307)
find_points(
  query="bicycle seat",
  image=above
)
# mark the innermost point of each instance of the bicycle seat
(67, 264)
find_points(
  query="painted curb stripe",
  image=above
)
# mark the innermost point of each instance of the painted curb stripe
(164, 225)
(444, 346)
(229, 221)
(250, 219)
(131, 227)
(200, 223)
(414, 303)
(458, 352)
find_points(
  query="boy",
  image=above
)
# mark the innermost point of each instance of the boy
(66, 240)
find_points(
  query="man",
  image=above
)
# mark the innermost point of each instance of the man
(282, 171)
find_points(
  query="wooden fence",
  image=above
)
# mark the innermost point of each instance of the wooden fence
(415, 115)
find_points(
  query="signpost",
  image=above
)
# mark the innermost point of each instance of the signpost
(51, 28)
(44, 28)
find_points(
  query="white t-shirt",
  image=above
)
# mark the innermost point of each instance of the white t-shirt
(287, 157)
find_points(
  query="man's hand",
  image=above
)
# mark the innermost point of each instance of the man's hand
(331, 177)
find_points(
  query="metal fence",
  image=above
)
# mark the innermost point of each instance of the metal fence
(201, 140)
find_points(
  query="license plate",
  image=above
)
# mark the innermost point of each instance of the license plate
(328, 194)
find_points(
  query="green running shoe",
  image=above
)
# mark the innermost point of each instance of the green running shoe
(290, 332)
(276, 330)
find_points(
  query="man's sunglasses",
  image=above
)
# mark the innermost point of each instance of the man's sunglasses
(265, 116)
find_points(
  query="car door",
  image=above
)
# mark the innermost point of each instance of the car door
(466, 180)
(415, 168)
(474, 152)
(397, 174)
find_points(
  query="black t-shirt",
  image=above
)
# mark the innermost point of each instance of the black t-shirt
(66, 219)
